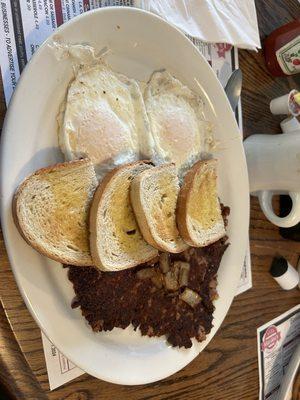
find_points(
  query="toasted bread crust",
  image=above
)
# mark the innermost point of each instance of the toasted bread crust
(183, 200)
(86, 261)
(181, 209)
(139, 213)
(97, 204)
(136, 201)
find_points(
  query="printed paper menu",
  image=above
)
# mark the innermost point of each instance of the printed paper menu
(60, 370)
(276, 342)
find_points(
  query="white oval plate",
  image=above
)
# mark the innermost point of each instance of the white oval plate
(140, 43)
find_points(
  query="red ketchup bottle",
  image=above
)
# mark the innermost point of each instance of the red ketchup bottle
(282, 49)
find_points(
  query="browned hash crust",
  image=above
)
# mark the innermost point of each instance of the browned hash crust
(118, 299)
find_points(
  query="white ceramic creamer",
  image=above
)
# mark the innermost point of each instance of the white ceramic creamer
(274, 168)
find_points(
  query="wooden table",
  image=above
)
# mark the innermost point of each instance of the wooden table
(227, 369)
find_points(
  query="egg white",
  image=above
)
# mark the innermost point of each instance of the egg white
(176, 120)
(104, 118)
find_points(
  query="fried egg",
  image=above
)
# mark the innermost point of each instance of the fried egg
(176, 120)
(104, 118)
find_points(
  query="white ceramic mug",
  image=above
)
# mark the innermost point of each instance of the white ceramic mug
(274, 168)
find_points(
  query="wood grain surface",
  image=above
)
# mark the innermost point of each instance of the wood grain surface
(227, 369)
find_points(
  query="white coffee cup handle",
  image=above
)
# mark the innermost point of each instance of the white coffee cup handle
(265, 201)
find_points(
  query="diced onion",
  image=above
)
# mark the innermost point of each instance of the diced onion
(164, 262)
(157, 280)
(146, 273)
(171, 282)
(184, 273)
(176, 269)
(190, 297)
(151, 273)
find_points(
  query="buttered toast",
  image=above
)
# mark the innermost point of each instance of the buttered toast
(153, 196)
(50, 209)
(115, 238)
(199, 216)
